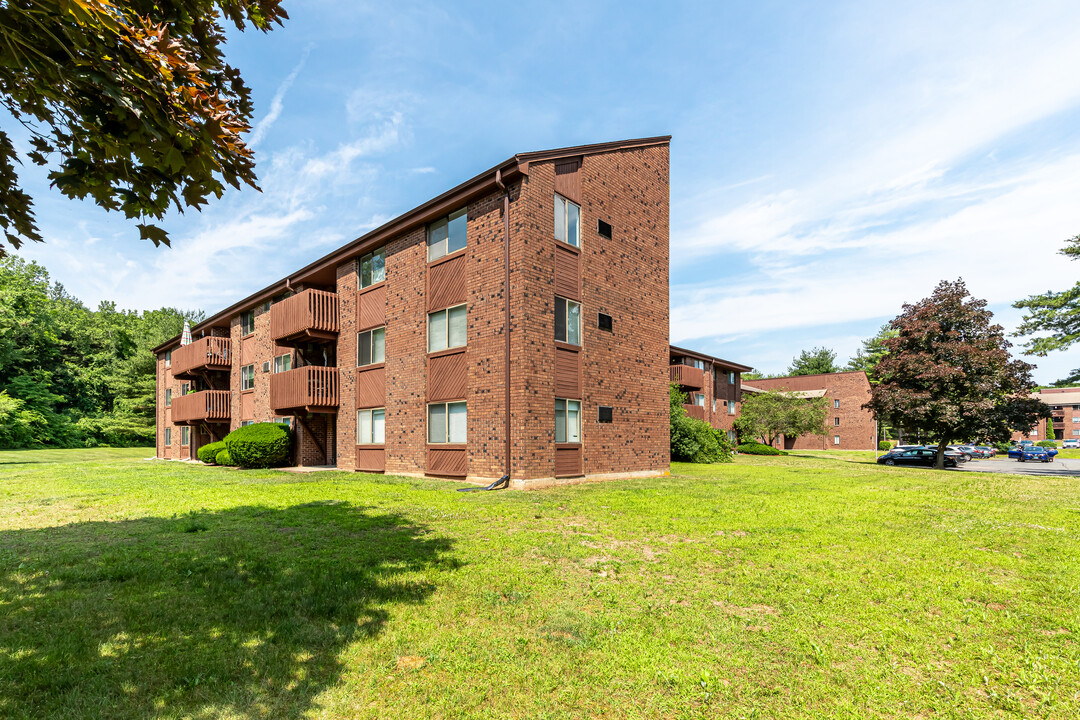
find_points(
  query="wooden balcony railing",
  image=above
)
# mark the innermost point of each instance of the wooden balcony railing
(687, 376)
(308, 315)
(205, 406)
(208, 353)
(695, 411)
(310, 388)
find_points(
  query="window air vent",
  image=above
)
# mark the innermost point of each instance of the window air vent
(266, 366)
(604, 414)
(603, 228)
(604, 321)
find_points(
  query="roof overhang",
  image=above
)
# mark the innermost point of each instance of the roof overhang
(709, 359)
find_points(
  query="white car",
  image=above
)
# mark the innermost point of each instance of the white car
(1071, 444)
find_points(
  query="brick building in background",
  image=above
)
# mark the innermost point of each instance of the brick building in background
(848, 426)
(1065, 416)
(393, 354)
(713, 386)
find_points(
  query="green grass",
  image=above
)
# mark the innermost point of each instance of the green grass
(775, 587)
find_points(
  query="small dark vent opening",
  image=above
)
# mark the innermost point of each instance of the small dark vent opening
(604, 322)
(604, 414)
(603, 228)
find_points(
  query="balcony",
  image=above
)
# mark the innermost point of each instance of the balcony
(695, 411)
(688, 377)
(210, 406)
(305, 389)
(208, 353)
(308, 316)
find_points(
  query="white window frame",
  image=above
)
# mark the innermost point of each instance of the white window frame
(168, 436)
(836, 403)
(1076, 432)
(448, 437)
(287, 421)
(279, 362)
(375, 278)
(369, 341)
(438, 244)
(731, 378)
(836, 440)
(168, 397)
(185, 436)
(442, 317)
(185, 388)
(243, 379)
(562, 221)
(168, 359)
(563, 407)
(243, 324)
(698, 399)
(836, 422)
(245, 423)
(731, 407)
(372, 436)
(567, 303)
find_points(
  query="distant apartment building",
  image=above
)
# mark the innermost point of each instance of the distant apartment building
(517, 323)
(848, 426)
(712, 387)
(1064, 423)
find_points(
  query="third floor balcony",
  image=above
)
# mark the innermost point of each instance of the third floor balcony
(308, 316)
(688, 377)
(207, 353)
(306, 389)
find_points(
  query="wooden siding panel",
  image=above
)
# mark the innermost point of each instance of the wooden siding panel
(312, 387)
(247, 406)
(448, 461)
(249, 350)
(567, 272)
(567, 373)
(371, 388)
(448, 377)
(371, 308)
(567, 460)
(370, 458)
(568, 179)
(446, 283)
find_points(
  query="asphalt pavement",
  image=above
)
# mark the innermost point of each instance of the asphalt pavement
(1064, 468)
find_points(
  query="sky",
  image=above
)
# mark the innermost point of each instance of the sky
(829, 161)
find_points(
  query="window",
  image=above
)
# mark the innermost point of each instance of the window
(691, 362)
(698, 399)
(266, 366)
(247, 377)
(604, 321)
(446, 423)
(603, 229)
(447, 235)
(371, 347)
(371, 426)
(567, 321)
(604, 414)
(185, 388)
(714, 404)
(567, 221)
(836, 440)
(567, 421)
(245, 423)
(286, 421)
(283, 363)
(185, 435)
(247, 322)
(836, 422)
(731, 407)
(446, 329)
(733, 437)
(168, 359)
(731, 378)
(1076, 432)
(168, 397)
(372, 268)
(1076, 419)
(266, 306)
(168, 436)
(836, 403)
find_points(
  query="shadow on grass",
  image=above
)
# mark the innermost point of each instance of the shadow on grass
(242, 612)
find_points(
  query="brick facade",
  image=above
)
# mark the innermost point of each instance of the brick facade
(853, 425)
(1065, 421)
(718, 387)
(625, 276)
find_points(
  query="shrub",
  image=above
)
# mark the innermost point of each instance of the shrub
(1046, 443)
(260, 445)
(209, 452)
(1003, 447)
(222, 458)
(885, 445)
(697, 441)
(756, 448)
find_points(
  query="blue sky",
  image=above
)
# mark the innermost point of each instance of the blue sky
(828, 163)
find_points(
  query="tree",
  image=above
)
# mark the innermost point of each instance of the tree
(133, 100)
(694, 440)
(818, 361)
(1057, 313)
(768, 415)
(872, 351)
(948, 373)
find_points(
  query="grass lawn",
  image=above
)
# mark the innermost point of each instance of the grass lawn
(776, 587)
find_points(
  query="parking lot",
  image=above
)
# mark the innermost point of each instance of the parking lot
(1057, 467)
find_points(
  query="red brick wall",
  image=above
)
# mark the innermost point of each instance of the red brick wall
(852, 389)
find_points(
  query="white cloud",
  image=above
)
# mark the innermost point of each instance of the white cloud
(277, 103)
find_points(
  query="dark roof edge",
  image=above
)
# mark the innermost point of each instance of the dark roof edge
(788, 377)
(511, 168)
(719, 361)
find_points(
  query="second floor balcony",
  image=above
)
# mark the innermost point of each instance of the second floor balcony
(308, 316)
(210, 406)
(688, 377)
(305, 389)
(207, 353)
(695, 411)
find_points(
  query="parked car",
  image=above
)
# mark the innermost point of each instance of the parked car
(982, 451)
(967, 451)
(1025, 443)
(1017, 452)
(916, 456)
(1035, 453)
(1073, 444)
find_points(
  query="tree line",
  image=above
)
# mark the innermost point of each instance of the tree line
(71, 376)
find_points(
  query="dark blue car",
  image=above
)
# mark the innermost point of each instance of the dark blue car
(1015, 453)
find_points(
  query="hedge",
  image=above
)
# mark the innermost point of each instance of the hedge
(885, 445)
(754, 448)
(223, 458)
(1046, 443)
(207, 453)
(260, 445)
(697, 441)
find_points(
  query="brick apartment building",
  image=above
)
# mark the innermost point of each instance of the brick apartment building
(713, 387)
(848, 426)
(1065, 416)
(517, 323)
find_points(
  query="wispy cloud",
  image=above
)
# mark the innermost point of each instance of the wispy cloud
(277, 103)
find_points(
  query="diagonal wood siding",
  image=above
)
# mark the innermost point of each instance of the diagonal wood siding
(567, 460)
(448, 461)
(371, 308)
(448, 377)
(567, 373)
(446, 283)
(370, 458)
(567, 272)
(371, 388)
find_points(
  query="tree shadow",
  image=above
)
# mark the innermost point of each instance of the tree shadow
(236, 612)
